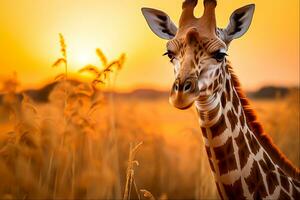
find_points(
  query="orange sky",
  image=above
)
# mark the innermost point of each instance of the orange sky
(267, 54)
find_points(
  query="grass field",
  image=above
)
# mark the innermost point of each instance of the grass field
(79, 147)
(83, 143)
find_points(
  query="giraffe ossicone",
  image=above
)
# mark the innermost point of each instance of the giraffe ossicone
(244, 161)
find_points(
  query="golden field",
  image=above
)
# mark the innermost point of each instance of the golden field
(75, 139)
(79, 146)
(76, 125)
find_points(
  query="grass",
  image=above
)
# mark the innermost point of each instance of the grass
(86, 144)
(40, 158)
(130, 180)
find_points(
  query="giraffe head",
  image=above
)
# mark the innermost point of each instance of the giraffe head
(197, 48)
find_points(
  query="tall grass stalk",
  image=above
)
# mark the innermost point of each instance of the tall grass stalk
(113, 134)
(130, 172)
(63, 60)
(100, 77)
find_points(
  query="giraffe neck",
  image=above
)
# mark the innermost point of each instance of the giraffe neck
(242, 168)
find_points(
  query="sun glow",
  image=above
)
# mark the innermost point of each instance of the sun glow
(84, 58)
(81, 55)
(81, 49)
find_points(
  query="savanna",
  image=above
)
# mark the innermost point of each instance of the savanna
(102, 127)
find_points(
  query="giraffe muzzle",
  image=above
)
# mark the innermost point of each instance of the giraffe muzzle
(184, 93)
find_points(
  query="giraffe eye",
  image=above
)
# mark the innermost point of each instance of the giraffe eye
(219, 56)
(170, 54)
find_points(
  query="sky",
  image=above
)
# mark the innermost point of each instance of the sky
(268, 54)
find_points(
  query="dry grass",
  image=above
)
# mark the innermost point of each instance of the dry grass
(79, 145)
(280, 119)
(42, 158)
(130, 180)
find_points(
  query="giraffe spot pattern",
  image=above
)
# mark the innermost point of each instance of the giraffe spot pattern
(225, 150)
(243, 151)
(264, 166)
(254, 146)
(225, 156)
(268, 162)
(248, 138)
(192, 64)
(255, 182)
(213, 113)
(220, 79)
(196, 58)
(235, 190)
(216, 83)
(284, 180)
(217, 72)
(226, 159)
(228, 90)
(232, 119)
(223, 71)
(283, 195)
(227, 164)
(242, 120)
(235, 102)
(218, 128)
(297, 183)
(295, 193)
(199, 47)
(211, 87)
(209, 158)
(223, 100)
(201, 53)
(272, 181)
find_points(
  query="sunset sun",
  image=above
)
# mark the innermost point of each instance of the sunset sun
(81, 55)
(84, 58)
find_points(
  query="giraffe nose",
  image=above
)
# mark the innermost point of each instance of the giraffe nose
(185, 86)
(184, 92)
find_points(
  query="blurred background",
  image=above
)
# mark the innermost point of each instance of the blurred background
(266, 54)
(76, 122)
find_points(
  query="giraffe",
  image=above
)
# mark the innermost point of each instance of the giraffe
(243, 160)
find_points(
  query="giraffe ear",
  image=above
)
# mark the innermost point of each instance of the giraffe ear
(240, 21)
(160, 23)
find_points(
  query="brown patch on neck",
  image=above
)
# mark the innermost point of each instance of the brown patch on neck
(255, 182)
(235, 190)
(266, 142)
